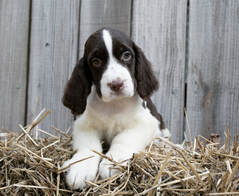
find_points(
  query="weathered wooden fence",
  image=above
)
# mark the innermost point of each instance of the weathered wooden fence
(193, 45)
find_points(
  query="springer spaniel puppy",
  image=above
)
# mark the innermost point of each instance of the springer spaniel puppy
(109, 90)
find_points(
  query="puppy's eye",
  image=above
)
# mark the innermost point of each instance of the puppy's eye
(126, 56)
(96, 62)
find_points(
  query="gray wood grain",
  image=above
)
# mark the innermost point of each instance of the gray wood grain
(213, 84)
(159, 27)
(96, 14)
(53, 54)
(14, 28)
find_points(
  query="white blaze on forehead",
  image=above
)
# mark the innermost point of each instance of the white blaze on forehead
(114, 71)
(108, 42)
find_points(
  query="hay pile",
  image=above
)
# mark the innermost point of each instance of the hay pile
(32, 167)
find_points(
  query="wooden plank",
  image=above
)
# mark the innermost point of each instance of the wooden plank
(213, 85)
(159, 28)
(53, 54)
(96, 14)
(14, 28)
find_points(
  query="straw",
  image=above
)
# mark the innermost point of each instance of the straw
(31, 166)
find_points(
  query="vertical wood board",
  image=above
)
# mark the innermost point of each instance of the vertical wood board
(14, 29)
(53, 54)
(97, 14)
(213, 84)
(159, 28)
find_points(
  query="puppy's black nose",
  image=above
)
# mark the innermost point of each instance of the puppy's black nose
(116, 85)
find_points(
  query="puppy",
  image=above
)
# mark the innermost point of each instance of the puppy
(109, 92)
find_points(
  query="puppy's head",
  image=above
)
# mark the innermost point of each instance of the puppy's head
(115, 65)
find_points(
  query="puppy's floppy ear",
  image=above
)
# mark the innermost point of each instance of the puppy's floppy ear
(146, 80)
(78, 88)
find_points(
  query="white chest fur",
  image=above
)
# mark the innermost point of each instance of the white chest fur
(110, 118)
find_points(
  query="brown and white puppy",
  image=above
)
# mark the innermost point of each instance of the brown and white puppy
(110, 91)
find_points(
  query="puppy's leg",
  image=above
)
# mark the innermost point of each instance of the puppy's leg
(84, 141)
(129, 141)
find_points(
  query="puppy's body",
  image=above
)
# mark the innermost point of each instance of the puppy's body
(107, 88)
(111, 118)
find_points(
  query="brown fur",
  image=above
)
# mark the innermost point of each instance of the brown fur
(78, 88)
(154, 112)
(146, 80)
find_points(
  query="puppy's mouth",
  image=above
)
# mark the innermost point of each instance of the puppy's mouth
(116, 96)
(117, 93)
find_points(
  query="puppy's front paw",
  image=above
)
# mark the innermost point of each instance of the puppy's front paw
(79, 172)
(108, 169)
